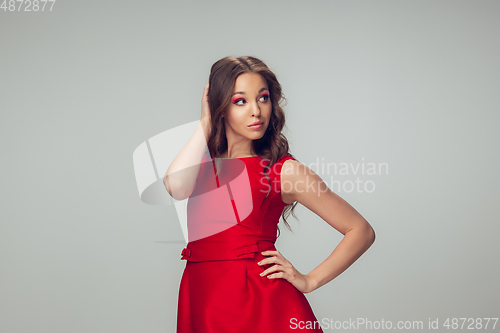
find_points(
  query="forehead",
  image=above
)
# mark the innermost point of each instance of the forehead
(249, 82)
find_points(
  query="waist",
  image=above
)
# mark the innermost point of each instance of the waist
(208, 251)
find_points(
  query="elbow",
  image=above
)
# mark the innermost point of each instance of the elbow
(366, 233)
(373, 236)
(370, 234)
(168, 186)
(174, 190)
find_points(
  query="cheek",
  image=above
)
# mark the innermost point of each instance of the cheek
(267, 110)
(234, 118)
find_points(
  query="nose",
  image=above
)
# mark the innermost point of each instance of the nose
(256, 109)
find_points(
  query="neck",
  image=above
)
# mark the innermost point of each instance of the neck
(230, 153)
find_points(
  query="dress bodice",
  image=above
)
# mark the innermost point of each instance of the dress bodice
(231, 211)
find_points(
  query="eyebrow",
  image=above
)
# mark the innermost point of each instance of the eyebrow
(243, 93)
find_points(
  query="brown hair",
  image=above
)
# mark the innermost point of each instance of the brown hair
(273, 145)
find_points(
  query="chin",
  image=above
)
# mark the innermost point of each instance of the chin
(259, 136)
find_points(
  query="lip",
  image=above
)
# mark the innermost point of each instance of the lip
(256, 125)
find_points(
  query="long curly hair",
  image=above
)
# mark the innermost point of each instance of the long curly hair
(273, 144)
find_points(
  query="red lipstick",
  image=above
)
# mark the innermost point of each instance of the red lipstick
(256, 125)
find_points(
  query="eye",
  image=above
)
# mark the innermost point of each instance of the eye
(237, 102)
(266, 97)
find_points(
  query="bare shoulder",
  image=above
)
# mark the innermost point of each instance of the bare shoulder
(295, 176)
(292, 168)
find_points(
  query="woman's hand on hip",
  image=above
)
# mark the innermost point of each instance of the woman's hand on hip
(283, 269)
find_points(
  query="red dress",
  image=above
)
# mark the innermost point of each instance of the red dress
(230, 221)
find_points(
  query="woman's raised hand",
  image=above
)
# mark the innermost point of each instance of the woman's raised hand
(205, 108)
(205, 114)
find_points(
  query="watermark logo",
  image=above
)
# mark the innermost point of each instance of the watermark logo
(348, 177)
(319, 177)
(437, 324)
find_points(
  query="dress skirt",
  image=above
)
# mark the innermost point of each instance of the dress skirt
(230, 296)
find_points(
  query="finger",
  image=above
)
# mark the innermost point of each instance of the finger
(274, 268)
(273, 260)
(268, 260)
(279, 275)
(270, 253)
(206, 92)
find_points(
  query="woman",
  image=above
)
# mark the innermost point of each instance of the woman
(235, 280)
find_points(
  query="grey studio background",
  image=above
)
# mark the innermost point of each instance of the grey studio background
(413, 84)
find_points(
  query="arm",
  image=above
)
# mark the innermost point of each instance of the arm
(180, 178)
(358, 234)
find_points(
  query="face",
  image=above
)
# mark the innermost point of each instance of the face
(251, 102)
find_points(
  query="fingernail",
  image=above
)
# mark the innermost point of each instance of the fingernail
(258, 263)
(261, 273)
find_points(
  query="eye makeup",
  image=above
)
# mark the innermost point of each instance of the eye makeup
(236, 100)
(266, 94)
